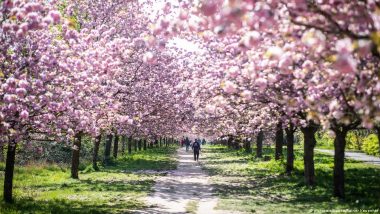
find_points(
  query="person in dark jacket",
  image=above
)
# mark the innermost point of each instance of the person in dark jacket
(187, 144)
(196, 148)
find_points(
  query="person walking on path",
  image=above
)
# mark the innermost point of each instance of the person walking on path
(196, 148)
(182, 141)
(187, 144)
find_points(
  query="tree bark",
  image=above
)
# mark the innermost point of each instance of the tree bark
(378, 135)
(229, 142)
(1, 152)
(308, 157)
(123, 139)
(259, 144)
(107, 149)
(75, 155)
(140, 144)
(135, 144)
(290, 149)
(130, 145)
(247, 146)
(339, 146)
(96, 151)
(279, 141)
(9, 171)
(156, 142)
(237, 143)
(115, 146)
(144, 144)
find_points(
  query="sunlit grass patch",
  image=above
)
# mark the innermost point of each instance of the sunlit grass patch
(113, 189)
(248, 184)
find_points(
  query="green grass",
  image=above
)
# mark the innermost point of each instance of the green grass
(244, 183)
(114, 189)
(192, 207)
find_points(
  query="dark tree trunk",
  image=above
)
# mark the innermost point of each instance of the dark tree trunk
(279, 141)
(75, 156)
(130, 145)
(378, 135)
(339, 146)
(115, 146)
(2, 153)
(160, 141)
(144, 144)
(123, 139)
(229, 142)
(96, 151)
(237, 143)
(135, 144)
(259, 144)
(290, 150)
(308, 157)
(9, 170)
(247, 146)
(107, 149)
(140, 144)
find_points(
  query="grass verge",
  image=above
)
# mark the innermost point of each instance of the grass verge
(113, 189)
(244, 183)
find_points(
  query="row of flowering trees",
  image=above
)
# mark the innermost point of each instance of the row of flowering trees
(74, 68)
(285, 64)
(95, 67)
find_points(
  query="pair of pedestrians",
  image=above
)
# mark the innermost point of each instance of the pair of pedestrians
(195, 146)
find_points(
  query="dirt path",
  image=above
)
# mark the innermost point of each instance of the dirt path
(186, 186)
(355, 156)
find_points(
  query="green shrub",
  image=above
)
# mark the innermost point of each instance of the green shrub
(371, 145)
(324, 140)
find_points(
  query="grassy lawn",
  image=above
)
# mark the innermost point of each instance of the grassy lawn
(244, 183)
(114, 189)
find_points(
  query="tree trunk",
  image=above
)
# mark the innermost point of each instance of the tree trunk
(378, 135)
(1, 152)
(308, 157)
(123, 139)
(229, 142)
(107, 149)
(279, 141)
(160, 141)
(96, 151)
(135, 144)
(259, 144)
(115, 146)
(247, 146)
(130, 145)
(140, 144)
(144, 144)
(339, 146)
(9, 170)
(237, 143)
(290, 150)
(75, 155)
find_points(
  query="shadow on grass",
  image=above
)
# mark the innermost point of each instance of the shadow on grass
(99, 185)
(29, 205)
(151, 159)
